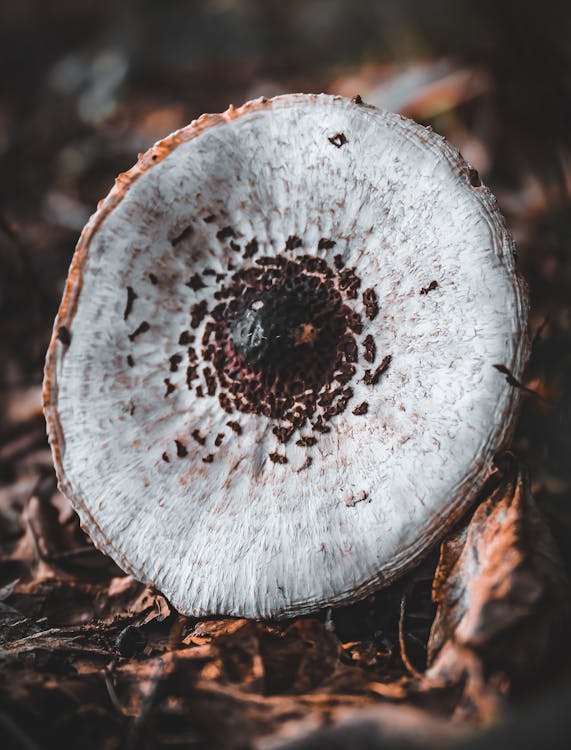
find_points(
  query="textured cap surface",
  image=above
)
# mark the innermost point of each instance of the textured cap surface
(269, 489)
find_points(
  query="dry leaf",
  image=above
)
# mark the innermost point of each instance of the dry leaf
(502, 598)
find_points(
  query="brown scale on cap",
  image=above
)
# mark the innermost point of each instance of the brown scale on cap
(131, 297)
(430, 288)
(225, 232)
(142, 328)
(195, 282)
(277, 458)
(306, 441)
(283, 433)
(225, 403)
(370, 349)
(349, 348)
(200, 439)
(320, 425)
(325, 244)
(198, 313)
(371, 303)
(293, 242)
(349, 282)
(251, 248)
(338, 140)
(354, 322)
(174, 362)
(209, 329)
(345, 373)
(210, 379)
(181, 450)
(372, 378)
(191, 374)
(363, 408)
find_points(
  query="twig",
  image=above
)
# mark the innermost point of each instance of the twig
(149, 705)
(11, 731)
(403, 653)
(40, 557)
(513, 381)
(107, 676)
(540, 328)
(70, 554)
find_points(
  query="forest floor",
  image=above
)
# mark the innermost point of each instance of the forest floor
(91, 658)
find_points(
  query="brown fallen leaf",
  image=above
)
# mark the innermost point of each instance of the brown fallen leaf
(239, 653)
(298, 659)
(502, 597)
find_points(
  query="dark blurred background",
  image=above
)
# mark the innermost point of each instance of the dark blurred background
(87, 84)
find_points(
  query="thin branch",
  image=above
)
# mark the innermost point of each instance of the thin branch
(12, 731)
(513, 381)
(402, 644)
(108, 677)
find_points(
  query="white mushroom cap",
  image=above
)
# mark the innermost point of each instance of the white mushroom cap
(245, 519)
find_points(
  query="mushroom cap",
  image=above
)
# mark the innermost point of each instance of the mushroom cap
(244, 524)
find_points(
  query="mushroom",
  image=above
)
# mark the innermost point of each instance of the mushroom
(271, 383)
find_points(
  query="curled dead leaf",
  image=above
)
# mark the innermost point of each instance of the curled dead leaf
(502, 597)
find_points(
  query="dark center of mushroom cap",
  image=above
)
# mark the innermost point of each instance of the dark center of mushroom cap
(274, 325)
(284, 336)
